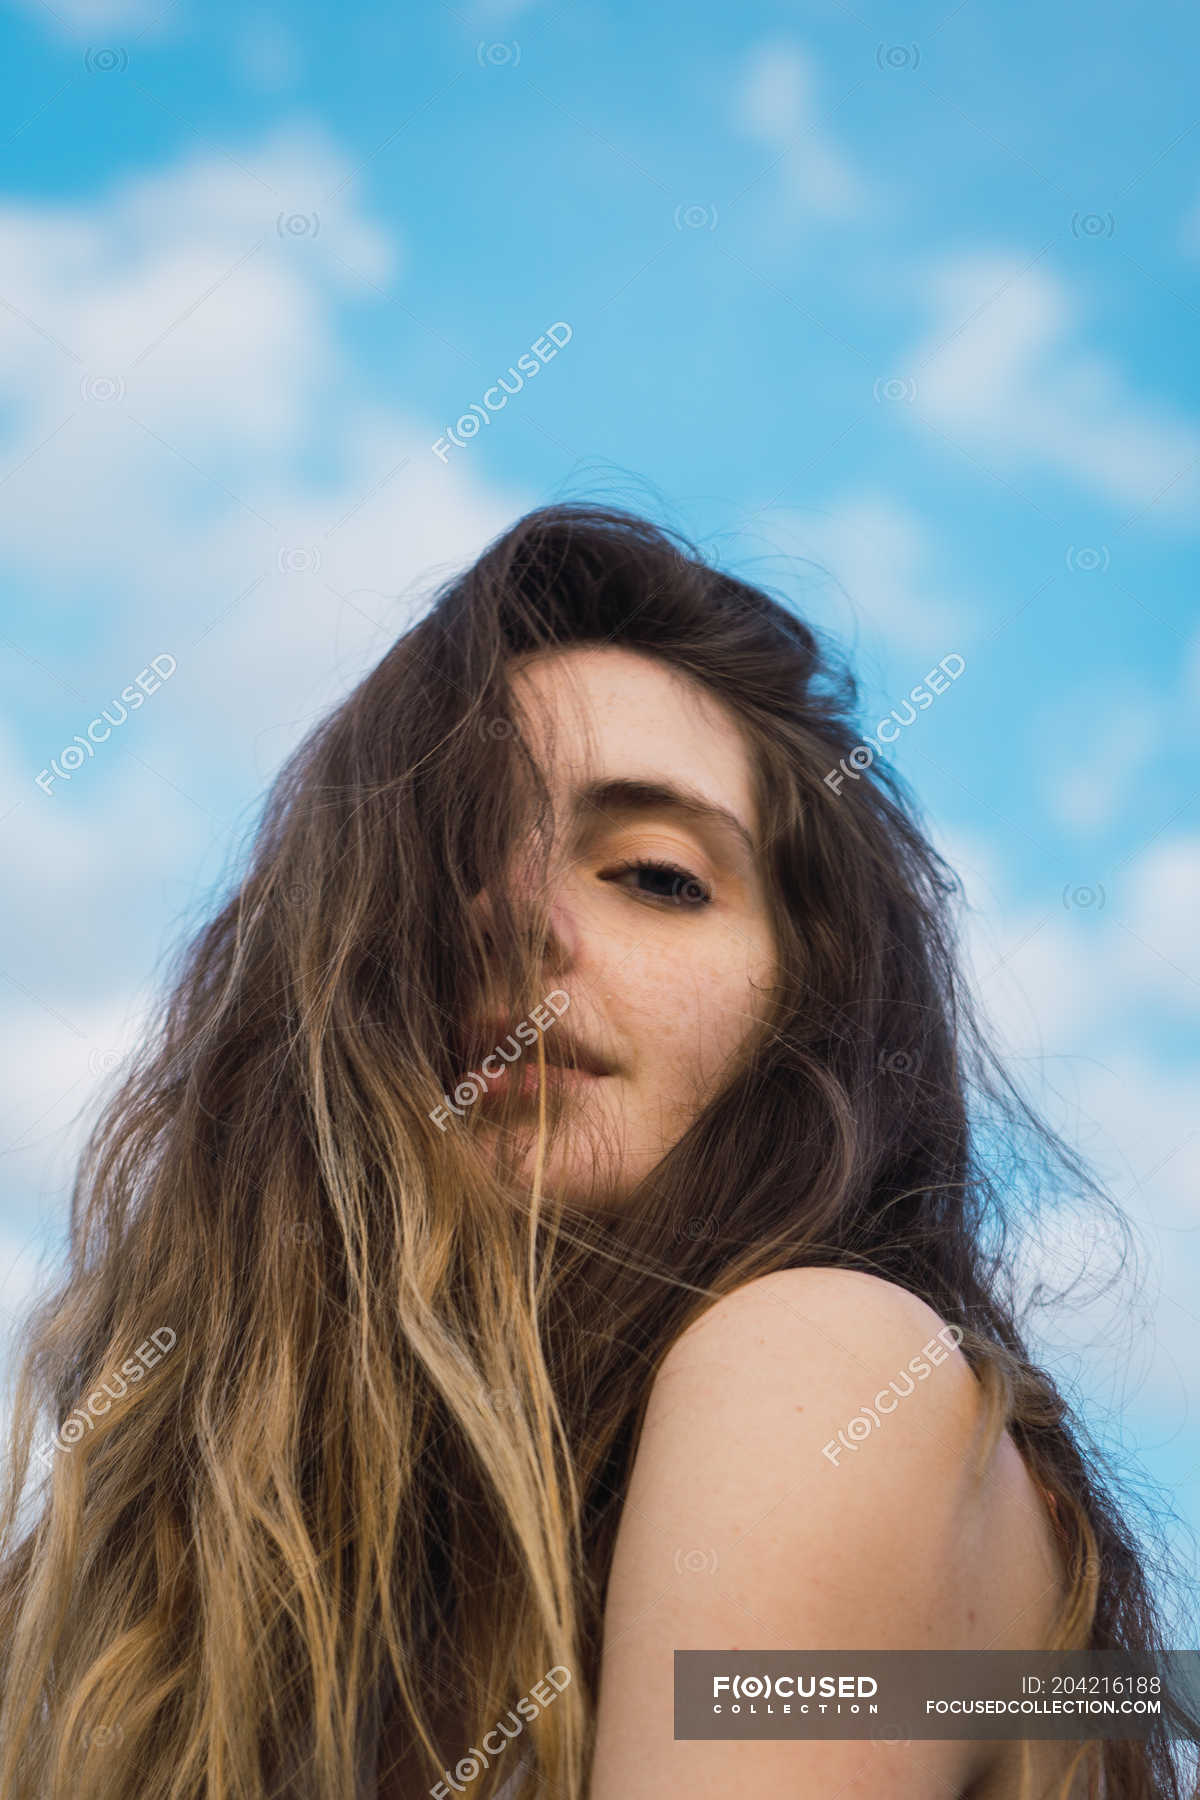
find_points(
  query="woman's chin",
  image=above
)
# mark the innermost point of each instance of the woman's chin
(569, 1179)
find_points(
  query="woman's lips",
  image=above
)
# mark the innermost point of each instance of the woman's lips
(520, 1080)
(562, 1048)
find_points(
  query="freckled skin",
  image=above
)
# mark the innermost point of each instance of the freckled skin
(669, 993)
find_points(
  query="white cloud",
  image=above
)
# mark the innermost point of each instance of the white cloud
(1158, 906)
(54, 1066)
(54, 1070)
(93, 857)
(1066, 992)
(1003, 372)
(1093, 964)
(194, 303)
(183, 515)
(74, 17)
(1136, 1327)
(1037, 978)
(882, 558)
(1091, 791)
(176, 485)
(885, 558)
(23, 1271)
(775, 101)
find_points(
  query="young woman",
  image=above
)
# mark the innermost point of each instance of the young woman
(570, 1124)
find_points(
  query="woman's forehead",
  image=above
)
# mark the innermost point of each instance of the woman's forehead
(603, 712)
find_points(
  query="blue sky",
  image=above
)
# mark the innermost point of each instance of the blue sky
(895, 308)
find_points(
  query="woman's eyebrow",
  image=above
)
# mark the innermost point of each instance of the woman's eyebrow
(629, 794)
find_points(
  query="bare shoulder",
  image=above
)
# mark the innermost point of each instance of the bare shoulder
(807, 1477)
(850, 1298)
(855, 1314)
(841, 1406)
(826, 1344)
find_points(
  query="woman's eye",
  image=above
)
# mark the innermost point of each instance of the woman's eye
(662, 881)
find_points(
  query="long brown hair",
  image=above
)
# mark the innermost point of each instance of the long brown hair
(379, 1457)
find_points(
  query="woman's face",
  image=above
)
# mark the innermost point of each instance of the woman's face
(660, 940)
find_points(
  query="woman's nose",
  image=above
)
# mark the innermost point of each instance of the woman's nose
(563, 932)
(559, 913)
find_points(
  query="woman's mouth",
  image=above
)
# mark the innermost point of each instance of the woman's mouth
(519, 1082)
(571, 1067)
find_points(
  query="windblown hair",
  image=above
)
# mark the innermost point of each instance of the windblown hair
(376, 1472)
